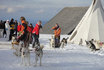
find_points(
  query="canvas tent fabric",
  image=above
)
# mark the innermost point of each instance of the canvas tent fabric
(91, 26)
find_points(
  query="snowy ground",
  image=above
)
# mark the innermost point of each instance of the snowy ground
(72, 57)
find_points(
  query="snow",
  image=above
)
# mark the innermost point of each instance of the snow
(72, 57)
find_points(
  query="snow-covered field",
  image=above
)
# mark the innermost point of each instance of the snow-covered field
(72, 57)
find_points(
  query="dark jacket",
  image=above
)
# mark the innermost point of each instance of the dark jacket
(12, 25)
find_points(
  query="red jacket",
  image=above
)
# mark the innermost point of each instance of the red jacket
(19, 28)
(36, 29)
(30, 29)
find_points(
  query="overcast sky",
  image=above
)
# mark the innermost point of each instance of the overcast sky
(35, 10)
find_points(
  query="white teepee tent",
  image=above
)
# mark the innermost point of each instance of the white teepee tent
(91, 26)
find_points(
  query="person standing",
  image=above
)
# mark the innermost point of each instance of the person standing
(4, 32)
(30, 29)
(15, 27)
(0, 24)
(31, 26)
(23, 31)
(12, 24)
(57, 32)
(18, 28)
(7, 28)
(35, 33)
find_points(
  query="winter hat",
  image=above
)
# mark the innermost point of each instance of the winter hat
(7, 20)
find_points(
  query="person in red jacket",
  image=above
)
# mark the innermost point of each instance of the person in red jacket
(23, 31)
(18, 27)
(35, 33)
(30, 29)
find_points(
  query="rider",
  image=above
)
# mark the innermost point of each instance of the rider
(57, 32)
(35, 33)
